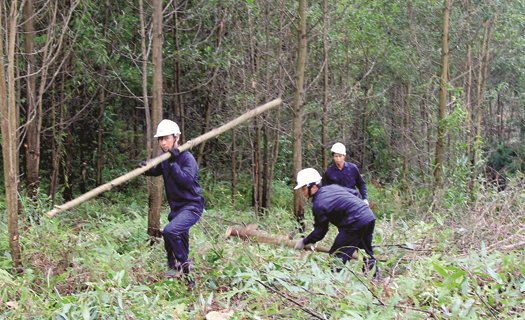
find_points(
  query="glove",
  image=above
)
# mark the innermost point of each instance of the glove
(366, 201)
(174, 152)
(299, 245)
(141, 164)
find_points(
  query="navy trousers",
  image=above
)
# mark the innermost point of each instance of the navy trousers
(176, 237)
(349, 239)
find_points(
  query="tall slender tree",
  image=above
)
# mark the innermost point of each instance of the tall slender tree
(8, 122)
(32, 117)
(155, 192)
(324, 116)
(298, 106)
(102, 98)
(442, 94)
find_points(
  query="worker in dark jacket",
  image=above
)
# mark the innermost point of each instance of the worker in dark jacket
(341, 207)
(344, 173)
(183, 191)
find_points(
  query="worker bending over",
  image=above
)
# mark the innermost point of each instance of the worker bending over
(341, 207)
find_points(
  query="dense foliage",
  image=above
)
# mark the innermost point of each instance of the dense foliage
(450, 259)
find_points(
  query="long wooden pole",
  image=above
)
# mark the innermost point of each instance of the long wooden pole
(153, 162)
(250, 232)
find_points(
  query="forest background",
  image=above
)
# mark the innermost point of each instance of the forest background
(427, 96)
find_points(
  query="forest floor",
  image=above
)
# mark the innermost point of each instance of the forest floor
(445, 259)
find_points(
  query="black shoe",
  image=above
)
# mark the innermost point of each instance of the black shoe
(190, 283)
(172, 273)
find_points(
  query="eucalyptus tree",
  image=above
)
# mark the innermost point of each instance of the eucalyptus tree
(442, 92)
(9, 122)
(302, 42)
(155, 194)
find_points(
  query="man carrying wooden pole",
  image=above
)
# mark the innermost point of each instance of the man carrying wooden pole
(183, 191)
(188, 145)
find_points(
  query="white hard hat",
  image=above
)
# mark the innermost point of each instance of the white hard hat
(307, 176)
(166, 128)
(339, 148)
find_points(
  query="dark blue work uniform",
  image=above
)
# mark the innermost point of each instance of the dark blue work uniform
(354, 219)
(186, 202)
(349, 177)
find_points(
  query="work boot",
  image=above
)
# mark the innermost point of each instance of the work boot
(173, 273)
(190, 283)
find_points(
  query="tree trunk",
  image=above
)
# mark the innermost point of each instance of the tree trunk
(178, 103)
(266, 178)
(298, 108)
(324, 116)
(277, 121)
(233, 168)
(8, 123)
(155, 192)
(364, 119)
(67, 176)
(205, 128)
(482, 77)
(32, 116)
(256, 168)
(102, 102)
(58, 137)
(256, 143)
(54, 147)
(442, 95)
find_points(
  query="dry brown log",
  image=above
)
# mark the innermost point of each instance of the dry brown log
(153, 162)
(251, 233)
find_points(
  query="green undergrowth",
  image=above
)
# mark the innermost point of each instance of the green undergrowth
(439, 259)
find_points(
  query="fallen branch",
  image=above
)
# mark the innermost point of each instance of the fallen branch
(305, 309)
(250, 233)
(153, 162)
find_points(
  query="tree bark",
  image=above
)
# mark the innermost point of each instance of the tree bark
(298, 108)
(58, 137)
(266, 189)
(482, 76)
(155, 192)
(178, 102)
(442, 95)
(324, 116)
(8, 124)
(205, 128)
(102, 101)
(33, 135)
(233, 168)
(364, 116)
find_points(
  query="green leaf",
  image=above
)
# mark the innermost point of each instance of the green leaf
(494, 275)
(440, 270)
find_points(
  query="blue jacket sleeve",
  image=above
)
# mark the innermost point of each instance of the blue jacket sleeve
(327, 180)
(361, 185)
(318, 233)
(321, 225)
(184, 173)
(154, 171)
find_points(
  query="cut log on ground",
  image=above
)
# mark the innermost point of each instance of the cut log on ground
(250, 233)
(153, 162)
